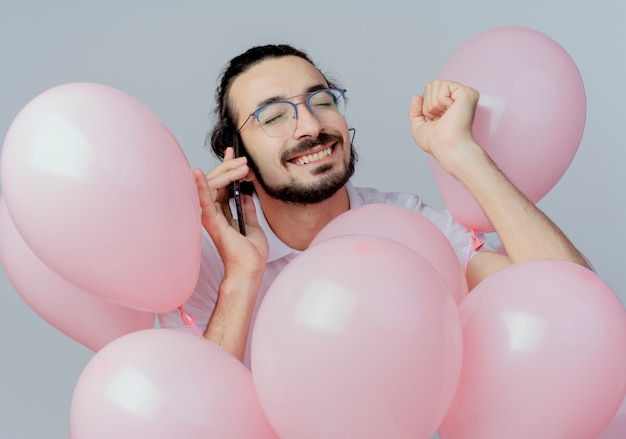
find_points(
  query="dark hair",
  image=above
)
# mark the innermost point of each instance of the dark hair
(222, 134)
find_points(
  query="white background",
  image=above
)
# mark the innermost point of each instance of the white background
(168, 55)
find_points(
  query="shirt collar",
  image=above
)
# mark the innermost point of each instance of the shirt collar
(279, 249)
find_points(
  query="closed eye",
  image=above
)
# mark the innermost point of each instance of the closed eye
(273, 119)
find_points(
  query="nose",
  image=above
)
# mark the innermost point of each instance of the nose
(307, 125)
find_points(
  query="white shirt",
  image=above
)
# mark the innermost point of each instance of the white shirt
(202, 302)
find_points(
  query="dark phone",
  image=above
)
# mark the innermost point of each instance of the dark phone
(237, 195)
(237, 191)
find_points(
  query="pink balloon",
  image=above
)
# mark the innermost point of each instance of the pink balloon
(163, 384)
(616, 428)
(407, 227)
(86, 318)
(544, 355)
(356, 338)
(102, 193)
(530, 116)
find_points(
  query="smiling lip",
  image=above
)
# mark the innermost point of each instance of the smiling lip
(313, 156)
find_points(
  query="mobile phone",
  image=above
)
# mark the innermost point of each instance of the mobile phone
(237, 195)
(237, 191)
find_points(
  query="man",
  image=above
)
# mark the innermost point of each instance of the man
(286, 118)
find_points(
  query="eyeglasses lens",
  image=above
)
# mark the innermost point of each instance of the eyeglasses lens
(278, 119)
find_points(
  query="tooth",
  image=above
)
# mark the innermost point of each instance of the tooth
(313, 157)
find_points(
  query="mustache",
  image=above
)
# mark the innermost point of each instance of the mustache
(307, 144)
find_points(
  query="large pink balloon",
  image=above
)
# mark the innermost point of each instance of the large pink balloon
(163, 384)
(407, 227)
(88, 319)
(530, 116)
(102, 193)
(356, 338)
(616, 428)
(544, 355)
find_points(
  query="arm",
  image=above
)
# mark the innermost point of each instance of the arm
(244, 257)
(441, 125)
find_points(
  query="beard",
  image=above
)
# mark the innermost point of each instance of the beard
(326, 186)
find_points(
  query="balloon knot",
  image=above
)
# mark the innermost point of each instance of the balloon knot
(189, 321)
(477, 243)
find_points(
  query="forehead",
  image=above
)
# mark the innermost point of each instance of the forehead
(273, 78)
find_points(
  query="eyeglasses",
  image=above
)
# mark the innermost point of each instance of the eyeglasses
(278, 118)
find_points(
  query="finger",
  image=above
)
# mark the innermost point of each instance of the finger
(249, 211)
(416, 116)
(204, 193)
(229, 153)
(227, 165)
(227, 172)
(464, 93)
(223, 202)
(223, 194)
(437, 99)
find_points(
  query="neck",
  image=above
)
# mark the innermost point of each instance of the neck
(296, 225)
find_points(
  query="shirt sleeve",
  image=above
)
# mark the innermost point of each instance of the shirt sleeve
(201, 303)
(465, 244)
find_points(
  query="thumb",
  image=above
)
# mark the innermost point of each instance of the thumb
(249, 211)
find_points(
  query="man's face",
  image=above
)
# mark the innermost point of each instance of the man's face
(303, 167)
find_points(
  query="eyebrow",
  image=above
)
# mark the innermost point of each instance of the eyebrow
(310, 89)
